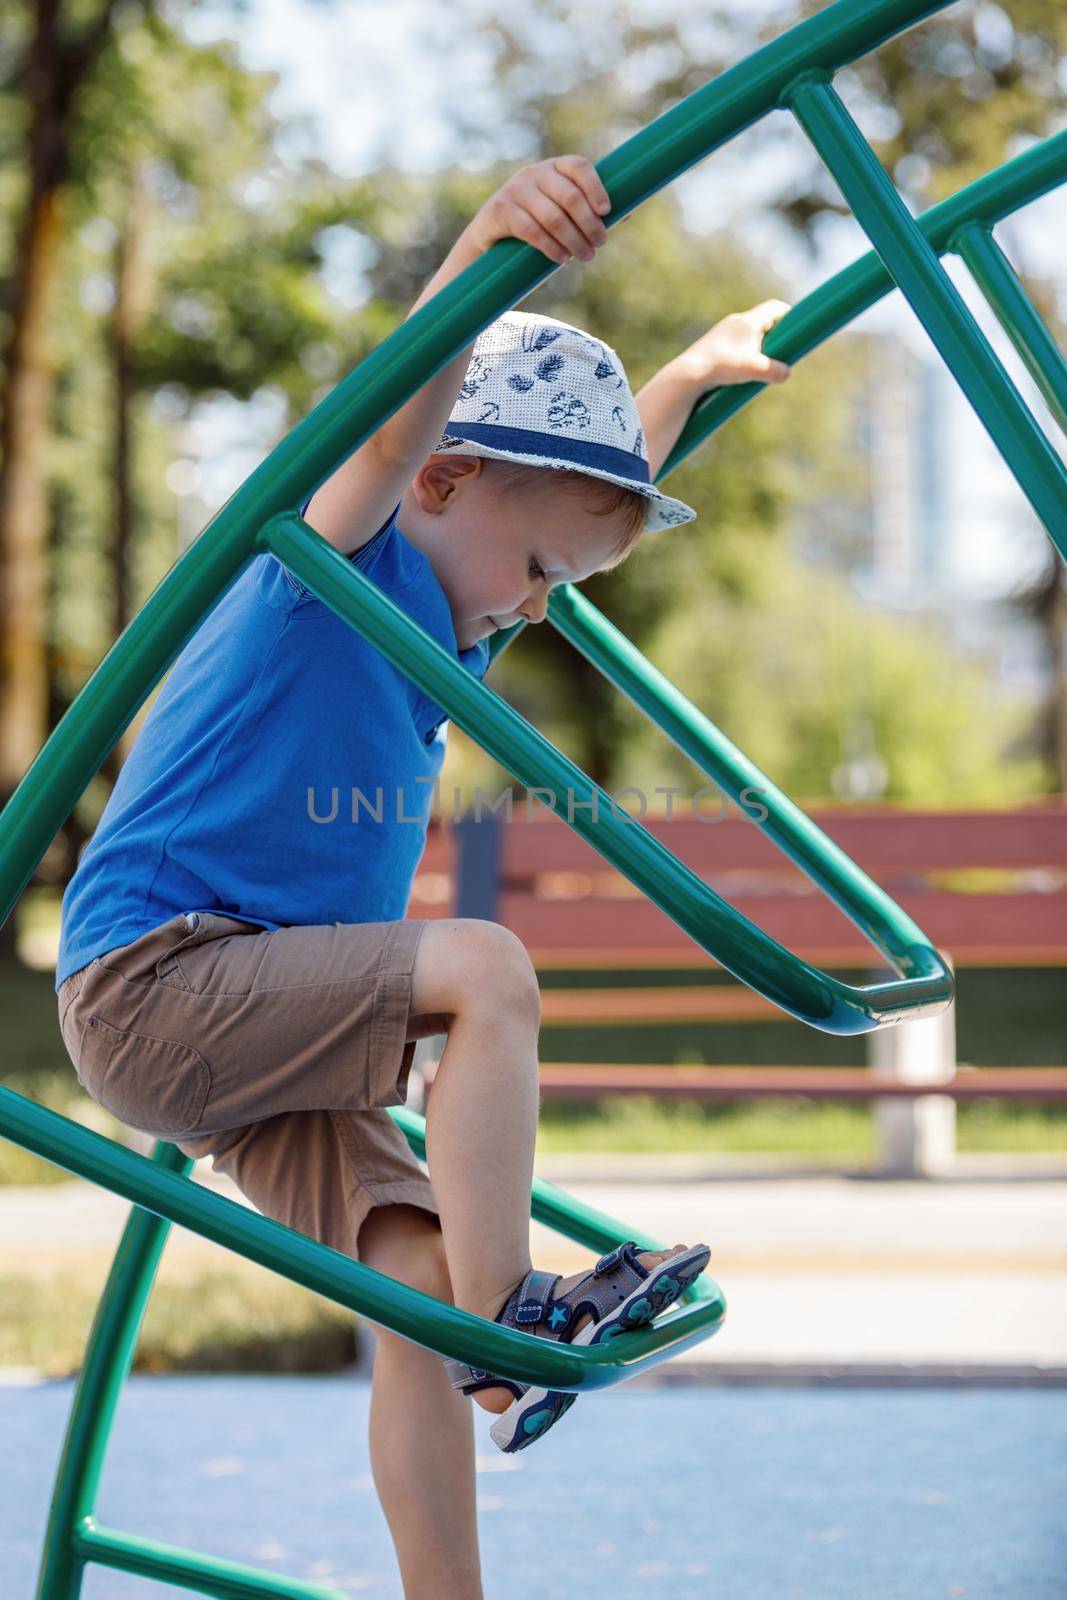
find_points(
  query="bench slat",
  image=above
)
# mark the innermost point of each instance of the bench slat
(575, 1080)
(881, 839)
(604, 1007)
(968, 926)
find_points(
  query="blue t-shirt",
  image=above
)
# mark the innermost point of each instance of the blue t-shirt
(275, 777)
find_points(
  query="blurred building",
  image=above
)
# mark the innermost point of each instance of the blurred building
(938, 525)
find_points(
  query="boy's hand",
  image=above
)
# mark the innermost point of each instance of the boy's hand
(730, 352)
(555, 205)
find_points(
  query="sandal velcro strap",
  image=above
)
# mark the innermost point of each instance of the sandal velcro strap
(627, 1251)
(534, 1297)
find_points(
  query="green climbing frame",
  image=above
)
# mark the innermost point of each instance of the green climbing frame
(795, 72)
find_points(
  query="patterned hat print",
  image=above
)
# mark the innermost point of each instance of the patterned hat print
(544, 393)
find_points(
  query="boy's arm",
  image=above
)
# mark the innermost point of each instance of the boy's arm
(664, 405)
(730, 352)
(359, 496)
(555, 205)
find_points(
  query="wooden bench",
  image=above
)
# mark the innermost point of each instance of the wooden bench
(988, 887)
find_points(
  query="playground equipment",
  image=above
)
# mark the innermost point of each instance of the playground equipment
(795, 72)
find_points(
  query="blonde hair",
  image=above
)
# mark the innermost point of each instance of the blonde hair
(600, 496)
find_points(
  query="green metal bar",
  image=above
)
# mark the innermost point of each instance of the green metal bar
(854, 290)
(108, 1358)
(925, 986)
(328, 1272)
(383, 382)
(863, 900)
(935, 300)
(108, 1355)
(430, 338)
(160, 1189)
(865, 281)
(995, 276)
(213, 1575)
(72, 1537)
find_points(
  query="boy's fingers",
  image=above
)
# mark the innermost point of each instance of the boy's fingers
(588, 179)
(554, 206)
(768, 312)
(555, 221)
(775, 371)
(573, 201)
(525, 226)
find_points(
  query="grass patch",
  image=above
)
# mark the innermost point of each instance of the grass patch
(992, 1125)
(642, 1124)
(218, 1321)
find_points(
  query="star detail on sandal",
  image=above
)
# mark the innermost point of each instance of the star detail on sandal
(558, 1317)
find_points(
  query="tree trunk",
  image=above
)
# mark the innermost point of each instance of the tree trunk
(53, 72)
(133, 293)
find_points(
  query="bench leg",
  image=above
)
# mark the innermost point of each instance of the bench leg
(915, 1136)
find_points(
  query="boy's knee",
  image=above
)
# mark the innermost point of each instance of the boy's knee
(463, 963)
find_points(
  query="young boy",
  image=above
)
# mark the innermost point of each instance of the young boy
(272, 1024)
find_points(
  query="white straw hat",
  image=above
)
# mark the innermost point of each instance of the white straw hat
(544, 393)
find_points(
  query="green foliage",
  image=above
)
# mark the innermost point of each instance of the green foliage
(267, 277)
(962, 92)
(808, 679)
(949, 100)
(821, 1134)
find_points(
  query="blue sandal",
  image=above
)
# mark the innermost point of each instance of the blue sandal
(620, 1294)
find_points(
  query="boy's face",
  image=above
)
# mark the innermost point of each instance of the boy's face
(498, 555)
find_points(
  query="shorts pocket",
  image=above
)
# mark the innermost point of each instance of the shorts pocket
(156, 1085)
(190, 963)
(168, 968)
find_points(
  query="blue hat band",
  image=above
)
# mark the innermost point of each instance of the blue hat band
(528, 442)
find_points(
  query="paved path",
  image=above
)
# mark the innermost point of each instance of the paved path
(820, 1271)
(803, 1494)
(828, 1270)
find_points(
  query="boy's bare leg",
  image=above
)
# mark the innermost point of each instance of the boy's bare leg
(421, 1429)
(481, 1120)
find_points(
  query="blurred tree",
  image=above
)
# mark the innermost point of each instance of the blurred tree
(51, 57)
(835, 698)
(942, 104)
(947, 101)
(179, 259)
(149, 146)
(1044, 600)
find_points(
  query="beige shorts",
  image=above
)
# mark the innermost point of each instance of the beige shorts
(274, 1053)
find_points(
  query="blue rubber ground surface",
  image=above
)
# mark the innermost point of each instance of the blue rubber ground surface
(740, 1494)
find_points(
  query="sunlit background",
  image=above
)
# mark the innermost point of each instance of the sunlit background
(251, 197)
